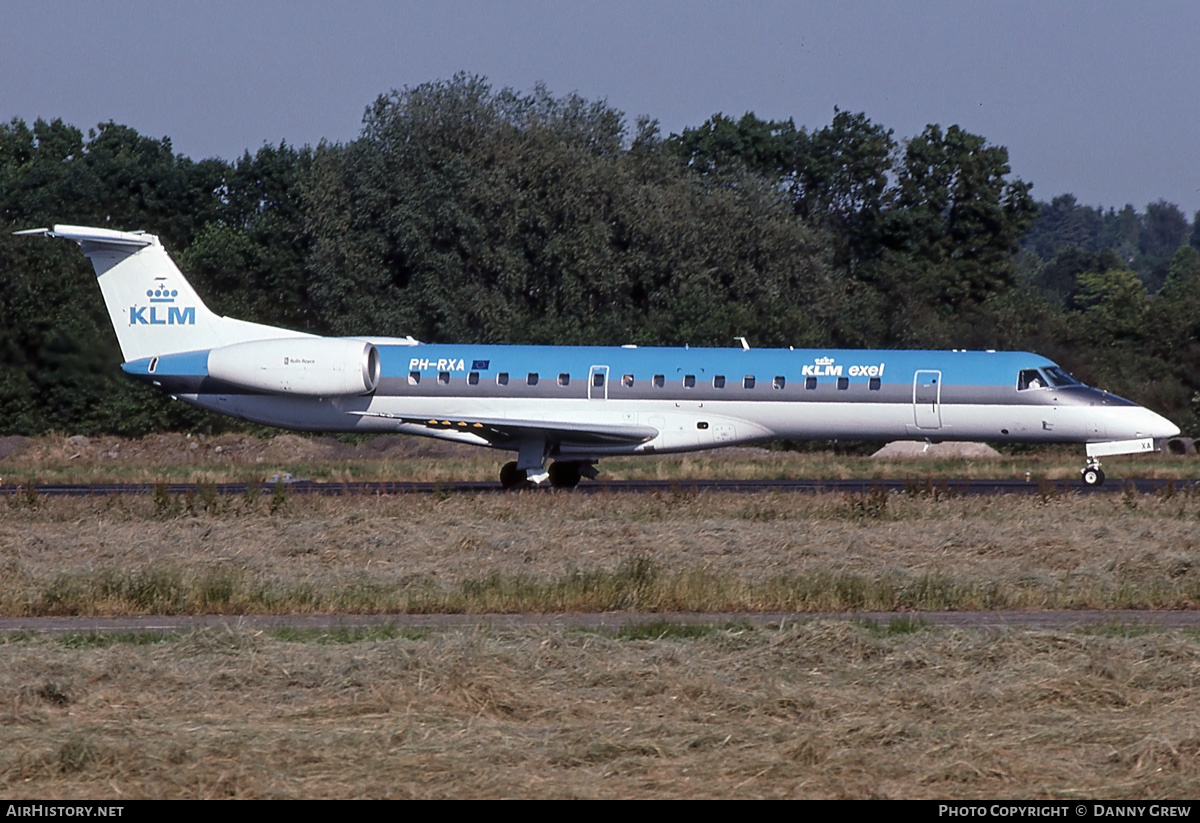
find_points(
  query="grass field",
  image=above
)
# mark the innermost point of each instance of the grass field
(179, 458)
(810, 709)
(813, 710)
(207, 553)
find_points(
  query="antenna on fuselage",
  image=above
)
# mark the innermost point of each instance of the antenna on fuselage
(745, 344)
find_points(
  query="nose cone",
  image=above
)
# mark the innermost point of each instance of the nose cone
(1132, 422)
(1154, 425)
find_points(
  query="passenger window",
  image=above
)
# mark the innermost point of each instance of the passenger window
(874, 384)
(748, 381)
(598, 380)
(719, 381)
(564, 379)
(689, 381)
(473, 378)
(658, 381)
(502, 379)
(1030, 379)
(414, 377)
(843, 383)
(778, 382)
(532, 378)
(810, 383)
(627, 381)
(444, 378)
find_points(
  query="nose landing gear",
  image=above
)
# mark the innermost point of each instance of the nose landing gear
(1092, 474)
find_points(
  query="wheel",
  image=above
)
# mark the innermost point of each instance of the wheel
(564, 475)
(1093, 477)
(510, 476)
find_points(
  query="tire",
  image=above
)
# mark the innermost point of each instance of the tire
(1093, 477)
(511, 477)
(564, 475)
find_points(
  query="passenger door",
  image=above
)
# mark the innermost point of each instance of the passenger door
(927, 399)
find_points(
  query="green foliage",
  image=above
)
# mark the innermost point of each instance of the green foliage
(836, 178)
(57, 351)
(1183, 275)
(510, 218)
(252, 260)
(463, 212)
(1113, 303)
(102, 640)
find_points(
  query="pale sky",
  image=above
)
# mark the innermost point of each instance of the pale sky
(1098, 99)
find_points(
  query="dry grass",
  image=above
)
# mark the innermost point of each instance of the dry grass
(565, 552)
(813, 710)
(230, 457)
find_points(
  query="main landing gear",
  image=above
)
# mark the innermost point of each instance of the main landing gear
(562, 474)
(1092, 474)
(511, 476)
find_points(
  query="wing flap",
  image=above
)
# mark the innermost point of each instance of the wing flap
(501, 429)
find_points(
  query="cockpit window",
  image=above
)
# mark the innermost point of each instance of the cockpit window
(1050, 376)
(1031, 379)
(1058, 377)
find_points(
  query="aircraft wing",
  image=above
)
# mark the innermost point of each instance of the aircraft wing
(497, 430)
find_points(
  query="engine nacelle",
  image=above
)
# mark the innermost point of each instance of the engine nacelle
(309, 366)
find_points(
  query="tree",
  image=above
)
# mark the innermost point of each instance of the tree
(1063, 222)
(836, 178)
(252, 259)
(466, 213)
(1164, 229)
(57, 349)
(948, 236)
(770, 148)
(843, 183)
(1184, 272)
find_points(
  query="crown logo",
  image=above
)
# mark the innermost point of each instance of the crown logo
(824, 361)
(161, 294)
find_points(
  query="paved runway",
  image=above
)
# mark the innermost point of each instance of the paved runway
(1034, 619)
(1140, 485)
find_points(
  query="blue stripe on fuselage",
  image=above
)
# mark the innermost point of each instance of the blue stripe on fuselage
(973, 368)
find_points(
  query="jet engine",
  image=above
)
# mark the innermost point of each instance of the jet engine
(308, 366)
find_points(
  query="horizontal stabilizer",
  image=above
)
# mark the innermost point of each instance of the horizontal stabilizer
(90, 237)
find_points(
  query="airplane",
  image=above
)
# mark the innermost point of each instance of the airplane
(564, 408)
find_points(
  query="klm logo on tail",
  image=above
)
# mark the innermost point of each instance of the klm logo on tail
(153, 315)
